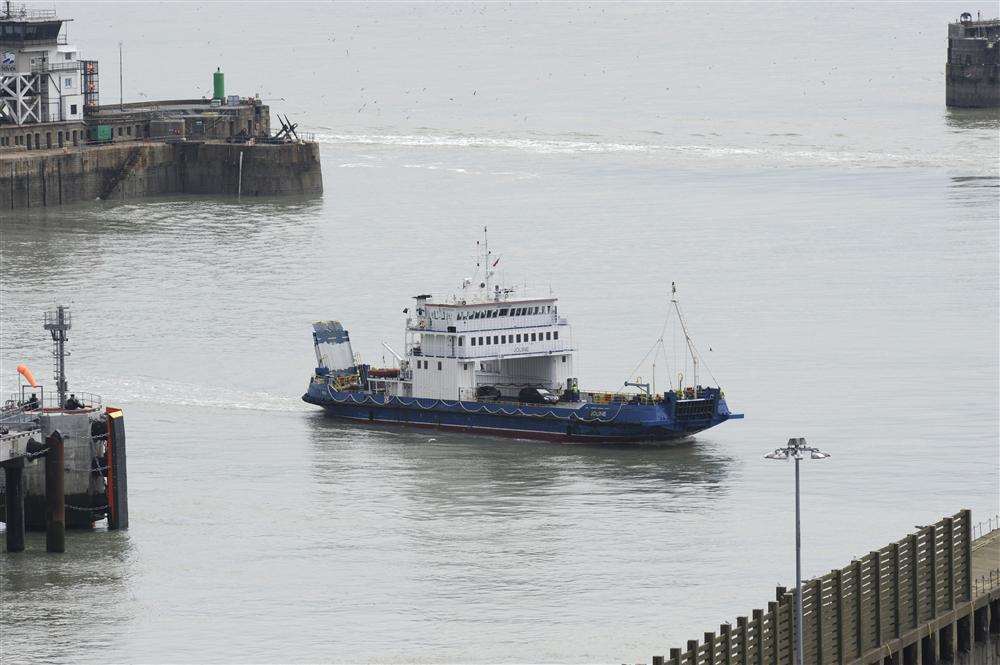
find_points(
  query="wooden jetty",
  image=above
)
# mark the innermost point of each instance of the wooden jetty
(932, 597)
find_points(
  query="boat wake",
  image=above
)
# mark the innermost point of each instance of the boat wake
(151, 390)
(776, 155)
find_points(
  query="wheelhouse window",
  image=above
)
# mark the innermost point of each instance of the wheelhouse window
(555, 335)
(473, 341)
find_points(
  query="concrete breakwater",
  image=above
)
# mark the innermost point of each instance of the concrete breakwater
(145, 168)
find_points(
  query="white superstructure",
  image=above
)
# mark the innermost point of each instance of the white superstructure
(485, 335)
(453, 348)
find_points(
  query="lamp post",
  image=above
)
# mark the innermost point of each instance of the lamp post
(795, 449)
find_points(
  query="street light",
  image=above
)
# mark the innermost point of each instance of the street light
(796, 449)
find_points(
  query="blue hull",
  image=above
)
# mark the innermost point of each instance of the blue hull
(616, 422)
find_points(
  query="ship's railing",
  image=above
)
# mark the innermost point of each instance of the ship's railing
(610, 397)
(23, 403)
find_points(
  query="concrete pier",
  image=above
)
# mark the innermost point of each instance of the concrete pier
(131, 170)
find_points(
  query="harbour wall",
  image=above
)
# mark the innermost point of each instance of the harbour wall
(133, 170)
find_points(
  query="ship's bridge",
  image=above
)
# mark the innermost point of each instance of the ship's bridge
(456, 347)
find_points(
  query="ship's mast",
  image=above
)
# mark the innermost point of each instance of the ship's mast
(486, 261)
(687, 336)
(58, 324)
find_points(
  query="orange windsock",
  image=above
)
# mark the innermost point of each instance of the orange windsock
(26, 373)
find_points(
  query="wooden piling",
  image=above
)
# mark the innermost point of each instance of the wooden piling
(772, 613)
(875, 569)
(838, 609)
(726, 631)
(949, 534)
(117, 479)
(897, 588)
(859, 609)
(743, 632)
(818, 613)
(55, 497)
(14, 490)
(692, 652)
(675, 656)
(758, 636)
(967, 553)
(932, 567)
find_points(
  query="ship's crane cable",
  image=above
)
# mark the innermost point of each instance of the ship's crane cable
(697, 352)
(658, 342)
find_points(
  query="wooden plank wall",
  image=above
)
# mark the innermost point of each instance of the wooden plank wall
(851, 610)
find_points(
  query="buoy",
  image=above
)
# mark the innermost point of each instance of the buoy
(28, 376)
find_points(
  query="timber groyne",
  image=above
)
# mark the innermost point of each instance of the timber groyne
(932, 597)
(130, 170)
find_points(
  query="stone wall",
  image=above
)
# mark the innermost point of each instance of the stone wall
(138, 169)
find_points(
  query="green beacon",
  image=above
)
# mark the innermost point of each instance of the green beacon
(219, 84)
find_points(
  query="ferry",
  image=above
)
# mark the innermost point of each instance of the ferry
(488, 361)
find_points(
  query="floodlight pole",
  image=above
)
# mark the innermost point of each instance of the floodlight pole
(795, 449)
(798, 568)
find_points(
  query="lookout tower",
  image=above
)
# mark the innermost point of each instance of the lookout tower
(41, 76)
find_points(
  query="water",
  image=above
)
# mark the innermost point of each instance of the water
(831, 226)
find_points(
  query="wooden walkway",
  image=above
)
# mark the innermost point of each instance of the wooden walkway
(931, 596)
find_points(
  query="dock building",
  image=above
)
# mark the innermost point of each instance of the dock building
(972, 77)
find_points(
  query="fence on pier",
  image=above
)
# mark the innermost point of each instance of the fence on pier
(850, 611)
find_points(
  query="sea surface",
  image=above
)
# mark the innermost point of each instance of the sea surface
(831, 226)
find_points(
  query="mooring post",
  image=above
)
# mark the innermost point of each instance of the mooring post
(55, 497)
(675, 656)
(657, 660)
(14, 477)
(117, 471)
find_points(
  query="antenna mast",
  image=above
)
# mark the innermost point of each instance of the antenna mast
(687, 336)
(58, 324)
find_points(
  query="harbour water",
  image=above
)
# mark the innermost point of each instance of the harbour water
(832, 229)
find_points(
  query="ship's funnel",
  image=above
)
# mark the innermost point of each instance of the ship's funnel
(333, 348)
(28, 376)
